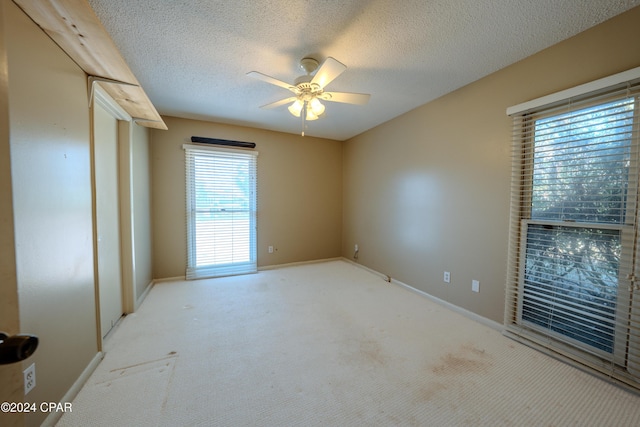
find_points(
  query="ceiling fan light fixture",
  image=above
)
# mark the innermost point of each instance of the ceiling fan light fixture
(316, 107)
(296, 108)
(308, 90)
(311, 116)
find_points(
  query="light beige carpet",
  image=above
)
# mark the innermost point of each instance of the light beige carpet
(328, 344)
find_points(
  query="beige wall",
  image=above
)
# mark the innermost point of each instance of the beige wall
(50, 165)
(423, 193)
(46, 269)
(299, 194)
(429, 190)
(141, 210)
(10, 375)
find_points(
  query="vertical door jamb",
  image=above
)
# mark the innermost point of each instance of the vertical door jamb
(97, 95)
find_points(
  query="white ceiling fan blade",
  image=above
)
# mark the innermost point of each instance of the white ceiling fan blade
(329, 70)
(269, 79)
(346, 97)
(279, 103)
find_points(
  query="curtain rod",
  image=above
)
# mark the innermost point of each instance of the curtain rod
(225, 142)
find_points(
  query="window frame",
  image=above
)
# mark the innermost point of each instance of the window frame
(622, 299)
(193, 269)
(623, 366)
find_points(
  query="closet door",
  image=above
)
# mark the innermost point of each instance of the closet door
(107, 218)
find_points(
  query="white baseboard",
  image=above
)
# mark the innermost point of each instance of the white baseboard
(370, 270)
(293, 264)
(143, 296)
(469, 314)
(261, 268)
(54, 416)
(168, 279)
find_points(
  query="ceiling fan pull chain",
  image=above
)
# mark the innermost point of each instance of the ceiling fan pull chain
(303, 114)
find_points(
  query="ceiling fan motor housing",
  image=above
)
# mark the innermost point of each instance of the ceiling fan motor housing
(309, 65)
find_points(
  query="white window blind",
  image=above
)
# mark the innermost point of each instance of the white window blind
(221, 211)
(573, 249)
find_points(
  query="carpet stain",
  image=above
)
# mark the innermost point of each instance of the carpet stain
(359, 346)
(426, 394)
(371, 352)
(470, 348)
(467, 360)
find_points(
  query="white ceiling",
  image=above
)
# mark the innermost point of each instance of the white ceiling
(192, 56)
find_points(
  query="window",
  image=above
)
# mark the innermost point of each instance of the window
(221, 211)
(574, 230)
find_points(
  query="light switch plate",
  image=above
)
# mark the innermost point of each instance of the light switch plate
(475, 286)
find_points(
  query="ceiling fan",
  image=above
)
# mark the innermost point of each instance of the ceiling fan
(308, 89)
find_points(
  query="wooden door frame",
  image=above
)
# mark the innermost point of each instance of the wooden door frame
(99, 96)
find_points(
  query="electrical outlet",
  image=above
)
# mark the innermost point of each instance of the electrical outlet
(447, 277)
(29, 378)
(270, 249)
(475, 286)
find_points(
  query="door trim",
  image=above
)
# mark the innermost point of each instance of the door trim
(123, 143)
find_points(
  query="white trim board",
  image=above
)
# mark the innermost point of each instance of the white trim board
(466, 313)
(144, 294)
(293, 264)
(168, 279)
(102, 98)
(54, 416)
(582, 89)
(205, 147)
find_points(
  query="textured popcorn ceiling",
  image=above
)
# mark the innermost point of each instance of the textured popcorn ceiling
(192, 56)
